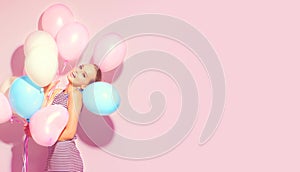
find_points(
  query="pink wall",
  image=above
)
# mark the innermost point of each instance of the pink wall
(257, 44)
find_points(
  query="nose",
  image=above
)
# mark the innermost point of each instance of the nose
(77, 70)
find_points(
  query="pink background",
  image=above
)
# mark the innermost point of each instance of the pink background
(257, 43)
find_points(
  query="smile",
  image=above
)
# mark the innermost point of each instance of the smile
(73, 74)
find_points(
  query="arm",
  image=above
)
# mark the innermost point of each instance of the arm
(49, 99)
(7, 84)
(74, 108)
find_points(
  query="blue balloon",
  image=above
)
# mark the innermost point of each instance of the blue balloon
(25, 97)
(101, 98)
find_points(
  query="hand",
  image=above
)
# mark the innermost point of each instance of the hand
(49, 87)
(27, 129)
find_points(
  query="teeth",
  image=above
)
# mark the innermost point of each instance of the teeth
(72, 73)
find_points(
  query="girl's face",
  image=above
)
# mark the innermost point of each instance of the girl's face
(83, 75)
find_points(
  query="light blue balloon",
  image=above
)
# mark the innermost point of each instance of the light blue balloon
(25, 97)
(101, 98)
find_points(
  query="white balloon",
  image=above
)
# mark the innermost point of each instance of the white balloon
(39, 39)
(41, 65)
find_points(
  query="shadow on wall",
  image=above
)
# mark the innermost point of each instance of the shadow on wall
(12, 133)
(17, 62)
(113, 75)
(95, 130)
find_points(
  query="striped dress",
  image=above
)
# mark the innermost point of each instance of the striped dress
(64, 155)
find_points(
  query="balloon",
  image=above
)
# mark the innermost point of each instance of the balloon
(41, 65)
(55, 17)
(25, 97)
(5, 110)
(39, 39)
(101, 98)
(112, 52)
(47, 124)
(71, 40)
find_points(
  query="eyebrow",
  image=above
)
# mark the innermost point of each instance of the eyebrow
(82, 66)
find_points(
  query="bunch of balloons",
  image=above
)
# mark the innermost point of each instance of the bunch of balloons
(60, 36)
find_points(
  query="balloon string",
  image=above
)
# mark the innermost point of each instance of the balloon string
(25, 155)
(65, 65)
(15, 119)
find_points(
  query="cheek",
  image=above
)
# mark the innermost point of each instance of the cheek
(80, 81)
(85, 82)
(74, 81)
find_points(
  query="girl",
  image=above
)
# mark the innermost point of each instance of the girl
(64, 155)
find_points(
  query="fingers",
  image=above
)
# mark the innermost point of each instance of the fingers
(55, 83)
(51, 86)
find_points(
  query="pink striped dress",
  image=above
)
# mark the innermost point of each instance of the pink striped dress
(64, 155)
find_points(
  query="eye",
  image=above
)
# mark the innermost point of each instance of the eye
(84, 75)
(80, 67)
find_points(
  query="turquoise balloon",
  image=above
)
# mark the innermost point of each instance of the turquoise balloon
(25, 97)
(101, 98)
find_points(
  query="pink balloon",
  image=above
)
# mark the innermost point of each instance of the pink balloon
(115, 54)
(5, 109)
(47, 124)
(55, 17)
(71, 40)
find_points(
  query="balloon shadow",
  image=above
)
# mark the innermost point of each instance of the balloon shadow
(12, 133)
(40, 26)
(17, 61)
(37, 156)
(113, 75)
(95, 130)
